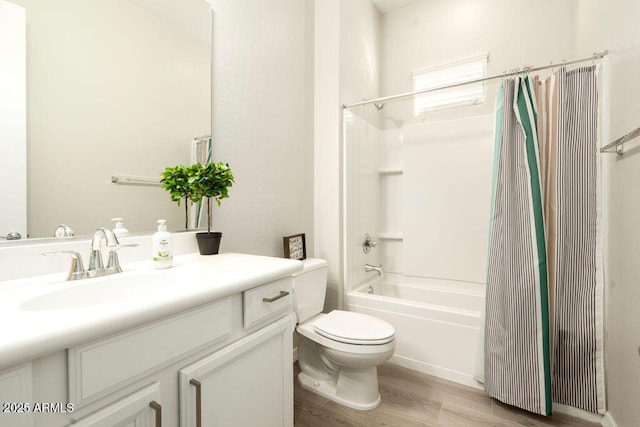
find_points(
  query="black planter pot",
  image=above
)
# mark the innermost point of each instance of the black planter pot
(209, 243)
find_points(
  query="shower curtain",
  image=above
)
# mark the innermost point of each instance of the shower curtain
(543, 317)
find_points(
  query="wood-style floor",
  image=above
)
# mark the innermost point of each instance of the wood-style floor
(410, 398)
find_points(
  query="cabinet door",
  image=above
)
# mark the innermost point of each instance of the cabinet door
(16, 397)
(249, 383)
(141, 409)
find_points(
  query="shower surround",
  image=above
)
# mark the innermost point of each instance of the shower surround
(423, 192)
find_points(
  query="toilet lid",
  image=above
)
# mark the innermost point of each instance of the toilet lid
(354, 328)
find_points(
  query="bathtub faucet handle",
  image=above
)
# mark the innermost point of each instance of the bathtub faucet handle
(369, 267)
(368, 243)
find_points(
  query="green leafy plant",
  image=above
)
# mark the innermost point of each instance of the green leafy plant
(210, 181)
(175, 180)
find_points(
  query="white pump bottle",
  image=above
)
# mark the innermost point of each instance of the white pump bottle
(162, 245)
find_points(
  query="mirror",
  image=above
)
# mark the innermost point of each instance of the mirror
(113, 87)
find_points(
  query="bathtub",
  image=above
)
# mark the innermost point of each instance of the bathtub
(436, 323)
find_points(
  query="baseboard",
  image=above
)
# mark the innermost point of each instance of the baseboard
(608, 420)
(295, 355)
(436, 371)
(578, 413)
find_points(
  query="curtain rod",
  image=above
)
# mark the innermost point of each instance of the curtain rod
(595, 56)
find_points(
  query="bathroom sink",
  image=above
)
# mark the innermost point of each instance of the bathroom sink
(87, 294)
(117, 288)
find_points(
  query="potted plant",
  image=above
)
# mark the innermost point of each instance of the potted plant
(210, 181)
(175, 180)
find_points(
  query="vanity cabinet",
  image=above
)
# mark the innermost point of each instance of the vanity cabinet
(15, 393)
(101, 367)
(249, 383)
(223, 363)
(141, 409)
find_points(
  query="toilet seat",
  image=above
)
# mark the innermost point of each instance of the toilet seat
(307, 330)
(354, 328)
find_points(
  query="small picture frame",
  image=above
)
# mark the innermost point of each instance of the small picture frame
(295, 247)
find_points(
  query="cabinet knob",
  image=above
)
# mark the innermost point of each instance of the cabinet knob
(198, 387)
(157, 408)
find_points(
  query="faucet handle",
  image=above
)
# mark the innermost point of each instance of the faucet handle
(113, 256)
(368, 243)
(76, 263)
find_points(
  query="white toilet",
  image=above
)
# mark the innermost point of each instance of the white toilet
(339, 352)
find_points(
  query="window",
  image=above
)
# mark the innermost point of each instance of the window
(447, 74)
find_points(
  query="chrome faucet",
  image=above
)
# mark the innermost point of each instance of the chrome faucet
(369, 267)
(96, 266)
(95, 259)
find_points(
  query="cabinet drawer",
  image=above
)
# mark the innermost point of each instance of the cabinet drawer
(267, 302)
(103, 366)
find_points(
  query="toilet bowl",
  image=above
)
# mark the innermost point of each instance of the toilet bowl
(338, 352)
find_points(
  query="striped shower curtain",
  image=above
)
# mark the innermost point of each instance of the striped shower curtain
(543, 318)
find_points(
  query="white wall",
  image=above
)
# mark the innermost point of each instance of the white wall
(448, 167)
(613, 25)
(360, 64)
(13, 119)
(346, 70)
(262, 122)
(363, 199)
(326, 144)
(103, 100)
(432, 32)
(446, 155)
(360, 61)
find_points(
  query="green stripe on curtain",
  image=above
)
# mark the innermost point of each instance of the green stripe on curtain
(479, 374)
(517, 366)
(497, 144)
(517, 345)
(528, 120)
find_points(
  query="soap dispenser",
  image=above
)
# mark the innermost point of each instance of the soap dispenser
(162, 246)
(119, 230)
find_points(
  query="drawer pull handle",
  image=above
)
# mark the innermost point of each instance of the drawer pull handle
(198, 387)
(158, 410)
(281, 295)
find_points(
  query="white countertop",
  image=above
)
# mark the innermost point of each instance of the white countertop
(44, 314)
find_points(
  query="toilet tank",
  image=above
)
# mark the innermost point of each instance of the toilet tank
(309, 288)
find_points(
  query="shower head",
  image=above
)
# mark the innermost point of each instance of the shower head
(379, 105)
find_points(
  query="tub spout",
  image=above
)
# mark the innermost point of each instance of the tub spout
(369, 267)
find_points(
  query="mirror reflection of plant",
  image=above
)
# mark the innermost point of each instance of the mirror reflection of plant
(175, 180)
(210, 181)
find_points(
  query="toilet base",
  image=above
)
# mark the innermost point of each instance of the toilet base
(329, 389)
